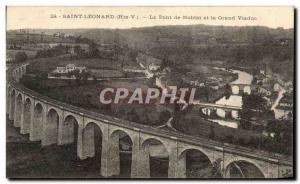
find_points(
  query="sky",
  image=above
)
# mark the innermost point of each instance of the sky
(63, 17)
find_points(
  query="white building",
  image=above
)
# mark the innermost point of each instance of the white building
(69, 68)
(276, 87)
(264, 91)
(262, 72)
(197, 83)
(154, 67)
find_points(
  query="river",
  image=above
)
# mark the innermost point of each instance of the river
(234, 99)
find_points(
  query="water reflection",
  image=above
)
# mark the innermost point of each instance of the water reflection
(234, 99)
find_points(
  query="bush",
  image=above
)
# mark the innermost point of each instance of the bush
(20, 57)
(229, 139)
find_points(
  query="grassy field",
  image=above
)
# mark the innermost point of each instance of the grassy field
(86, 95)
(106, 73)
(200, 72)
(99, 68)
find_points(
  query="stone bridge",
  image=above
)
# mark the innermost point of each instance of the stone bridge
(238, 89)
(54, 122)
(222, 111)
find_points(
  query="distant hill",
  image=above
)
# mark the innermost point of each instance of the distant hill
(139, 37)
(249, 46)
(151, 34)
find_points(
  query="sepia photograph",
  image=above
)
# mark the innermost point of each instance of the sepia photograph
(150, 92)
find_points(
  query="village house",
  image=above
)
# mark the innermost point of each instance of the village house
(286, 106)
(148, 62)
(71, 46)
(9, 59)
(289, 86)
(68, 68)
(264, 91)
(260, 78)
(276, 87)
(197, 83)
(59, 35)
(133, 69)
(154, 67)
(286, 101)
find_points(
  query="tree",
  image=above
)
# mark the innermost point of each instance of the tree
(94, 79)
(254, 102)
(132, 54)
(254, 81)
(245, 120)
(207, 92)
(282, 139)
(85, 76)
(20, 57)
(165, 63)
(212, 132)
(209, 172)
(133, 116)
(254, 106)
(163, 117)
(44, 75)
(88, 99)
(238, 54)
(227, 91)
(78, 50)
(93, 50)
(76, 74)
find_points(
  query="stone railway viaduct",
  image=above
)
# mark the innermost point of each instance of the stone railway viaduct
(53, 122)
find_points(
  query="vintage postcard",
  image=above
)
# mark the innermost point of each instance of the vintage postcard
(150, 92)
